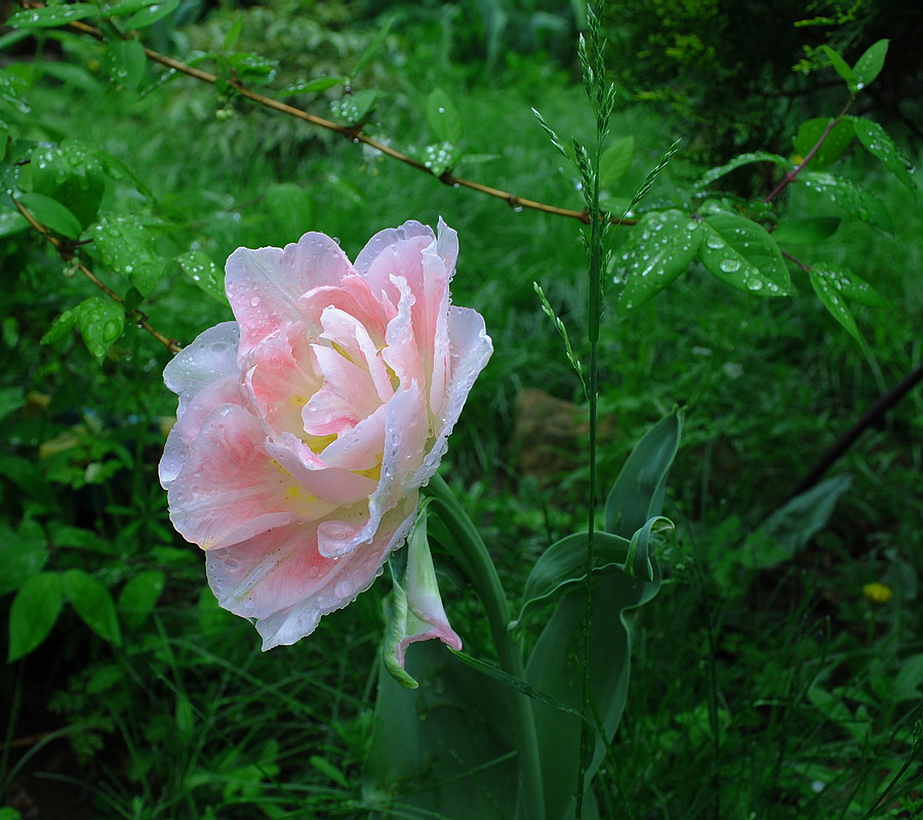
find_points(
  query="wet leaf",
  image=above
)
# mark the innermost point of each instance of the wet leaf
(850, 197)
(878, 143)
(833, 146)
(51, 16)
(101, 322)
(200, 268)
(869, 65)
(52, 214)
(442, 116)
(743, 255)
(129, 248)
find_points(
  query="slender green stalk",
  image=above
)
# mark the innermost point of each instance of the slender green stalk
(478, 565)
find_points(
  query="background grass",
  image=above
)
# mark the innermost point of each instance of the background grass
(779, 694)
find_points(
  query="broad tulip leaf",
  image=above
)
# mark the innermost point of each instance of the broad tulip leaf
(34, 612)
(850, 197)
(790, 528)
(869, 65)
(139, 595)
(562, 567)
(807, 230)
(878, 143)
(51, 16)
(52, 214)
(93, 603)
(442, 116)
(128, 247)
(615, 161)
(637, 495)
(200, 268)
(833, 146)
(101, 322)
(743, 255)
(23, 554)
(659, 250)
(444, 747)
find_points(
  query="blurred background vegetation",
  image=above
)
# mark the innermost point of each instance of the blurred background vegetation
(785, 689)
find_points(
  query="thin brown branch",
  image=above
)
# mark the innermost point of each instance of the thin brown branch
(65, 251)
(355, 135)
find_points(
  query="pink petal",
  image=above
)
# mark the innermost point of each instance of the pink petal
(264, 286)
(210, 358)
(229, 489)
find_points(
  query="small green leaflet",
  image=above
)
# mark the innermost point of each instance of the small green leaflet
(832, 285)
(200, 268)
(442, 116)
(869, 65)
(831, 149)
(52, 214)
(743, 159)
(125, 62)
(34, 612)
(51, 16)
(615, 161)
(807, 230)
(129, 249)
(741, 254)
(93, 603)
(842, 68)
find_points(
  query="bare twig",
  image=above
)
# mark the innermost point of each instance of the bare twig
(354, 134)
(66, 252)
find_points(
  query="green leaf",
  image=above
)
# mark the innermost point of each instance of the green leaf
(440, 157)
(72, 174)
(93, 604)
(34, 612)
(639, 562)
(850, 197)
(200, 268)
(616, 160)
(11, 221)
(446, 743)
(832, 148)
(842, 68)
(52, 214)
(561, 567)
(13, 89)
(129, 248)
(869, 65)
(807, 230)
(354, 108)
(252, 68)
(23, 554)
(851, 286)
(51, 16)
(138, 597)
(829, 295)
(125, 62)
(154, 11)
(325, 767)
(312, 86)
(878, 143)
(743, 159)
(442, 116)
(741, 254)
(637, 495)
(790, 528)
(101, 322)
(659, 249)
(11, 399)
(60, 327)
(233, 35)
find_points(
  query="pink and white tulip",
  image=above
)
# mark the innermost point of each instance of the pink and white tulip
(306, 428)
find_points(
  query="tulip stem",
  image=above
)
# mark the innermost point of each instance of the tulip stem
(476, 562)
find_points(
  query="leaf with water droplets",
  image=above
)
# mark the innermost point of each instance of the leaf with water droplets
(442, 116)
(129, 248)
(807, 230)
(440, 157)
(101, 322)
(70, 173)
(743, 255)
(60, 328)
(829, 295)
(200, 268)
(878, 143)
(353, 109)
(151, 13)
(743, 159)
(52, 16)
(850, 197)
(125, 61)
(851, 286)
(659, 249)
(869, 65)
